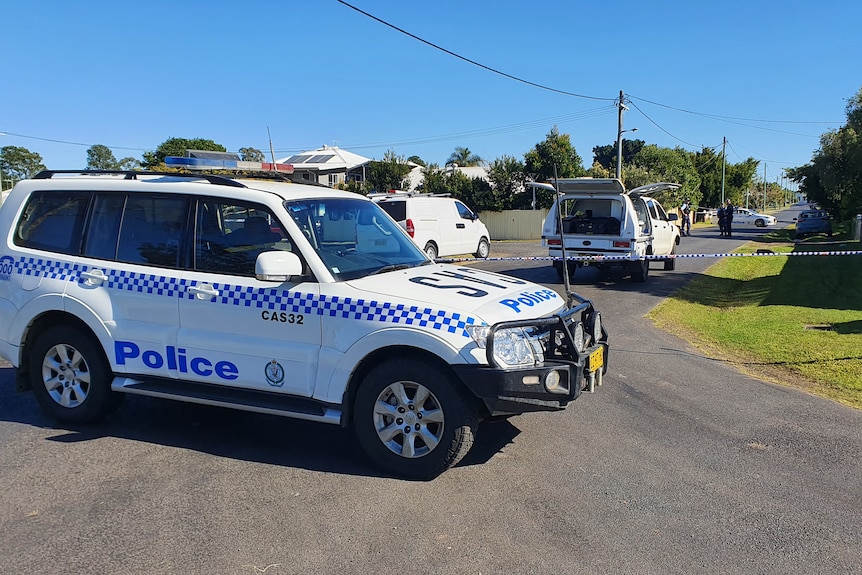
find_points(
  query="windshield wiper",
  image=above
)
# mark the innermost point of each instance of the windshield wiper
(392, 268)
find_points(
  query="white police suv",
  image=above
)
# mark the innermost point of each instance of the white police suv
(277, 298)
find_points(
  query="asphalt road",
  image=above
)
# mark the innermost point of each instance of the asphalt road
(677, 464)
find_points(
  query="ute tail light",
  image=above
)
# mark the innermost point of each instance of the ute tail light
(622, 244)
(411, 229)
(554, 242)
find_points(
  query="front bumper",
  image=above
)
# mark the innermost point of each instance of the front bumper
(513, 391)
(562, 375)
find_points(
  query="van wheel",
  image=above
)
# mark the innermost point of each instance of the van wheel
(431, 250)
(639, 270)
(483, 250)
(71, 377)
(413, 419)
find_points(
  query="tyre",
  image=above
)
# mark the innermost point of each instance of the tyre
(484, 249)
(71, 377)
(412, 419)
(639, 270)
(760, 223)
(571, 266)
(670, 263)
(431, 250)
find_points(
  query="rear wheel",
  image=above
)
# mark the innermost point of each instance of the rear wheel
(670, 263)
(571, 266)
(639, 270)
(413, 419)
(431, 250)
(483, 250)
(70, 376)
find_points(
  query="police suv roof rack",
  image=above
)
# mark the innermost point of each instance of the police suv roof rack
(401, 193)
(133, 175)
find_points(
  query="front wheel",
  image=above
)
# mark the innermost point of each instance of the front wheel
(413, 419)
(483, 250)
(70, 376)
(760, 223)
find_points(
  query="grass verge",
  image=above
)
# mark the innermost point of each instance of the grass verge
(794, 320)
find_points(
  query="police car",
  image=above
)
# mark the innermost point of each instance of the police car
(274, 297)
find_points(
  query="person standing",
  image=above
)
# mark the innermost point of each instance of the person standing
(721, 220)
(685, 208)
(728, 219)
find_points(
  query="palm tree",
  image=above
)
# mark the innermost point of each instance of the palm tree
(464, 157)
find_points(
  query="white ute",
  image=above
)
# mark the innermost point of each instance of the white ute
(277, 298)
(606, 226)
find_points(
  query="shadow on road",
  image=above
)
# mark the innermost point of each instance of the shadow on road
(229, 433)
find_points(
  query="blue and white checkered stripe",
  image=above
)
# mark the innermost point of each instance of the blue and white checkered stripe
(260, 298)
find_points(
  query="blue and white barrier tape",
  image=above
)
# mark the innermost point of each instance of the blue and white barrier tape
(600, 258)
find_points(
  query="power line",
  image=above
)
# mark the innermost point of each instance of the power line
(659, 127)
(460, 57)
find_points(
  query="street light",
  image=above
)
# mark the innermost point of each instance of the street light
(620, 150)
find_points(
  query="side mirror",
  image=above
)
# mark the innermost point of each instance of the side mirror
(277, 266)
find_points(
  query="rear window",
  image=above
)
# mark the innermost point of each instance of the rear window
(397, 210)
(53, 221)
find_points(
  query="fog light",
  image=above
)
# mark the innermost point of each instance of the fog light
(552, 382)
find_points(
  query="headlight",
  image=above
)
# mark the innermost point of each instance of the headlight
(578, 337)
(594, 326)
(513, 347)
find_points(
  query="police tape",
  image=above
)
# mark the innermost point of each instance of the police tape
(630, 258)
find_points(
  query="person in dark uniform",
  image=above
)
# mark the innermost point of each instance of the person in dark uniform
(728, 219)
(721, 220)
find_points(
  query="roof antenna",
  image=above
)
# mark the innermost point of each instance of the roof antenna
(271, 151)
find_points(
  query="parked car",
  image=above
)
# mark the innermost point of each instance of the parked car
(813, 222)
(439, 225)
(275, 298)
(618, 228)
(744, 216)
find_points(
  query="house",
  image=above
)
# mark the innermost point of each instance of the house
(328, 165)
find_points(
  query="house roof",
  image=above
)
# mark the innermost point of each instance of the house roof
(325, 158)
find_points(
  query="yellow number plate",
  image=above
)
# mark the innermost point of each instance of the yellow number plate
(596, 359)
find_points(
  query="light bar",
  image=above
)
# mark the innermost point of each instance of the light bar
(208, 164)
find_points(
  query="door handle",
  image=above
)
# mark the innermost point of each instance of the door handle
(94, 277)
(204, 292)
(460, 226)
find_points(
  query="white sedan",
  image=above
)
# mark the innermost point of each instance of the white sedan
(745, 216)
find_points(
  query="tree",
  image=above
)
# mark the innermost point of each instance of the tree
(17, 163)
(737, 177)
(388, 174)
(251, 155)
(464, 157)
(660, 164)
(506, 175)
(554, 152)
(833, 178)
(178, 147)
(606, 156)
(416, 160)
(100, 157)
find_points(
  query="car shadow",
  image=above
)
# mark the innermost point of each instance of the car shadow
(228, 433)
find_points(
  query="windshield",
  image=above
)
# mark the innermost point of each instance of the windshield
(353, 237)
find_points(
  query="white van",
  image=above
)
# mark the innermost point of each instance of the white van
(440, 225)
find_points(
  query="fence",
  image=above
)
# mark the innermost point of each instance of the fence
(514, 224)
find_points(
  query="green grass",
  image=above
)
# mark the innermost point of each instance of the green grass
(795, 320)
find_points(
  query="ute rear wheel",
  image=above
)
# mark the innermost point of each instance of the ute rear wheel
(639, 270)
(431, 250)
(413, 419)
(71, 377)
(670, 263)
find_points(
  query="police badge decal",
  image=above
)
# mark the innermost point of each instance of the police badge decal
(274, 373)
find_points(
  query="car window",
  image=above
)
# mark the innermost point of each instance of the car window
(53, 221)
(643, 215)
(396, 209)
(463, 211)
(230, 235)
(151, 229)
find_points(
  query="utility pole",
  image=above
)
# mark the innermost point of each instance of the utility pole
(723, 163)
(621, 109)
(764, 186)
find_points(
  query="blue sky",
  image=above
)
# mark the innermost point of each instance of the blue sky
(130, 75)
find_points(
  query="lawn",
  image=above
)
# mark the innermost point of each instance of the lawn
(790, 319)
